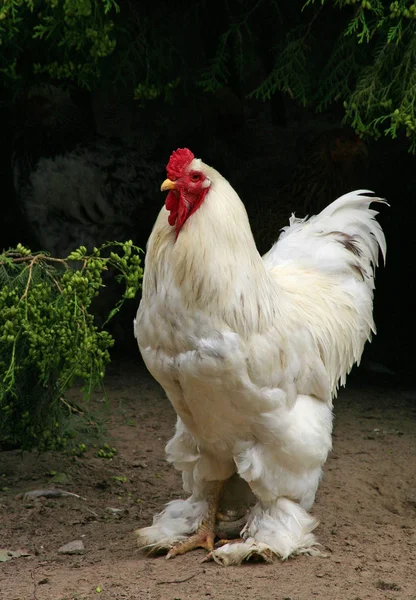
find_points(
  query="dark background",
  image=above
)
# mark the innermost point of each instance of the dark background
(256, 144)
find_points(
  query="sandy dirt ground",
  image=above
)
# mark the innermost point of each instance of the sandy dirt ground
(366, 506)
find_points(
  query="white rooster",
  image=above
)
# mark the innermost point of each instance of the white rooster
(250, 352)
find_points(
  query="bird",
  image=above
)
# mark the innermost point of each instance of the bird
(329, 163)
(251, 352)
(75, 187)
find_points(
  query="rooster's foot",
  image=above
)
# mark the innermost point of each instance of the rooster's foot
(234, 552)
(203, 538)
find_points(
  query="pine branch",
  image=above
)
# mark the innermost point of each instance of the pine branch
(290, 73)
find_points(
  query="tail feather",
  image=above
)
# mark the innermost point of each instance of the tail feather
(335, 252)
(312, 239)
(358, 202)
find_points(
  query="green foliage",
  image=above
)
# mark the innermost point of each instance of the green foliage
(48, 336)
(82, 43)
(79, 450)
(217, 73)
(359, 54)
(290, 72)
(78, 34)
(338, 73)
(377, 78)
(106, 452)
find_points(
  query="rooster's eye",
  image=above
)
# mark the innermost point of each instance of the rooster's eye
(195, 177)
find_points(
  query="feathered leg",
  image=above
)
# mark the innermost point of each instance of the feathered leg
(195, 516)
(284, 474)
(279, 530)
(205, 535)
(174, 524)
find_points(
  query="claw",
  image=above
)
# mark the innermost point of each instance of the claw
(203, 538)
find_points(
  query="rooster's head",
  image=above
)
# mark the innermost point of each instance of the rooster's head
(188, 184)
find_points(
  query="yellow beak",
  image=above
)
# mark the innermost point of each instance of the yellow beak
(167, 185)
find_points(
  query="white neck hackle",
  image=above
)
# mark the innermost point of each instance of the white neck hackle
(214, 262)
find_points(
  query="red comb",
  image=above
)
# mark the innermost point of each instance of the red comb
(178, 161)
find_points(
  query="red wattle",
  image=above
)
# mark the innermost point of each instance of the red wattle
(172, 205)
(180, 210)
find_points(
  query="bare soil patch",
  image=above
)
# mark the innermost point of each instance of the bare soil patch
(366, 505)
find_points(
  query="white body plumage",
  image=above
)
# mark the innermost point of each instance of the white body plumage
(250, 352)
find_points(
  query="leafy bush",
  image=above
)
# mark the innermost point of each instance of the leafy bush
(359, 54)
(80, 32)
(84, 43)
(49, 338)
(372, 67)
